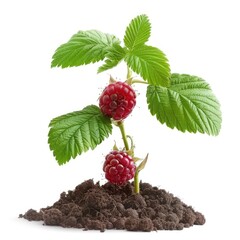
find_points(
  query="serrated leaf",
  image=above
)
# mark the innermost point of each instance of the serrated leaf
(138, 32)
(188, 104)
(151, 63)
(77, 132)
(83, 48)
(114, 56)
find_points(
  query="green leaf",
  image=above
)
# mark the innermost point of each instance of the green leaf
(83, 48)
(142, 164)
(77, 132)
(188, 104)
(114, 56)
(151, 63)
(138, 32)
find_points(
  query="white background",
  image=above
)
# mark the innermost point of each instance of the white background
(199, 37)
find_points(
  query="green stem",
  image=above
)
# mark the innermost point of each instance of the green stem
(138, 81)
(124, 136)
(129, 73)
(136, 182)
(132, 146)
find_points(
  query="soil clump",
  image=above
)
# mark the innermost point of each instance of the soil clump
(94, 207)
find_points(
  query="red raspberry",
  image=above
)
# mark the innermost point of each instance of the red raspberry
(119, 167)
(117, 100)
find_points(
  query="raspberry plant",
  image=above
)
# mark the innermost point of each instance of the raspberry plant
(180, 101)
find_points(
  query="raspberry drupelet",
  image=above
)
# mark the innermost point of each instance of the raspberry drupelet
(119, 167)
(117, 100)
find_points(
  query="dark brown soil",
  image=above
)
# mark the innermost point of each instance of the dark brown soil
(91, 206)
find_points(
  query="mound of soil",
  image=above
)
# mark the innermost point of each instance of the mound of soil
(91, 206)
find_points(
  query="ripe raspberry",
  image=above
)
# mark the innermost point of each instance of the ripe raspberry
(119, 167)
(117, 100)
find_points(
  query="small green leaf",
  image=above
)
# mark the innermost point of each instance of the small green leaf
(138, 32)
(115, 148)
(142, 164)
(135, 159)
(114, 56)
(77, 132)
(188, 104)
(83, 48)
(150, 63)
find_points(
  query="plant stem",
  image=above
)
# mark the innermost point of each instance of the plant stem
(138, 81)
(136, 182)
(132, 146)
(124, 136)
(129, 73)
